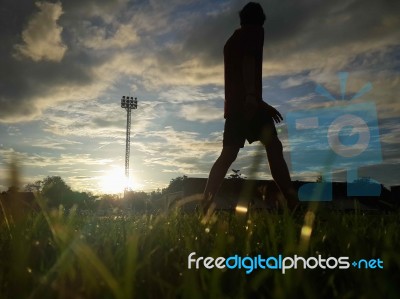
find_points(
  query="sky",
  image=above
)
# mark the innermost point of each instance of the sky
(66, 64)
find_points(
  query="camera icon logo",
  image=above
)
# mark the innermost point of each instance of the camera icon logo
(339, 137)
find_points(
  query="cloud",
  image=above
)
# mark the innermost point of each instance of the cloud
(302, 35)
(332, 35)
(201, 112)
(156, 46)
(182, 151)
(28, 88)
(98, 38)
(42, 36)
(100, 120)
(50, 143)
(294, 81)
(171, 55)
(43, 160)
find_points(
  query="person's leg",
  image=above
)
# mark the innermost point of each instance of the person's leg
(279, 170)
(219, 170)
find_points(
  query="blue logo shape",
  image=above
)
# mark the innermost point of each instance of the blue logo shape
(339, 137)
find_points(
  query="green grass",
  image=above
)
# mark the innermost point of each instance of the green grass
(53, 255)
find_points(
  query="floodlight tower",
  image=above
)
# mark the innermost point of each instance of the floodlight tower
(128, 103)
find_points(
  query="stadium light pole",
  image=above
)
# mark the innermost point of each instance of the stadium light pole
(128, 103)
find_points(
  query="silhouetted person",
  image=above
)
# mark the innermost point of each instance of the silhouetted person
(247, 116)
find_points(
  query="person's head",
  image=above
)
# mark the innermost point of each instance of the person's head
(252, 14)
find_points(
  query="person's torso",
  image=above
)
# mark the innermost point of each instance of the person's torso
(247, 40)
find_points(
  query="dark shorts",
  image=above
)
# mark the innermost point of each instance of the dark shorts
(237, 130)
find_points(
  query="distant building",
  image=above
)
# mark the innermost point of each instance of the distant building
(264, 194)
(395, 195)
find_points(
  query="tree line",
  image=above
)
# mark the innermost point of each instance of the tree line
(56, 192)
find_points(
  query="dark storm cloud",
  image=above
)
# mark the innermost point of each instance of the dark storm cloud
(171, 37)
(25, 81)
(284, 19)
(209, 33)
(79, 7)
(13, 16)
(296, 26)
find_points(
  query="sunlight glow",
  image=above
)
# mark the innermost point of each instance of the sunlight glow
(114, 181)
(241, 209)
(306, 230)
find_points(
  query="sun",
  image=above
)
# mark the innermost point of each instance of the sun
(114, 181)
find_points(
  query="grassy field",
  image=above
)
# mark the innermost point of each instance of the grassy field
(52, 254)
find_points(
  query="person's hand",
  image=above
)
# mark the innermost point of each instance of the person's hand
(275, 114)
(250, 106)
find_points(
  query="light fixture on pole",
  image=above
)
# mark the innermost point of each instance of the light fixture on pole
(128, 103)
